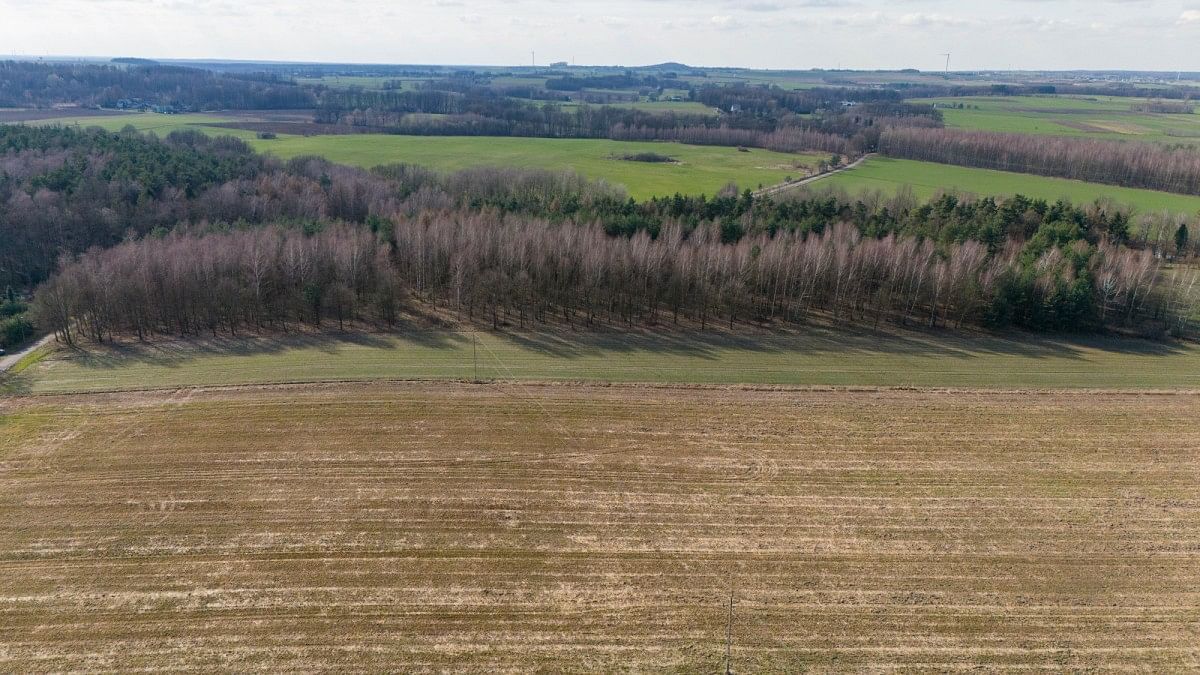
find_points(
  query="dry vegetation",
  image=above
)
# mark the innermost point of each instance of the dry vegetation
(517, 527)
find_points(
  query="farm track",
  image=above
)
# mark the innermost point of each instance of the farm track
(514, 527)
(785, 187)
(7, 362)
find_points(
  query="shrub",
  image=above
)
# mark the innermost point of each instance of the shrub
(648, 157)
(12, 308)
(15, 330)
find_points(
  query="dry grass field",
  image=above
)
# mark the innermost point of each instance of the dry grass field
(511, 527)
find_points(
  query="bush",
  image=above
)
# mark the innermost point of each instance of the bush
(648, 157)
(267, 136)
(15, 330)
(12, 308)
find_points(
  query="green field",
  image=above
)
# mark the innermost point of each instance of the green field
(926, 179)
(363, 81)
(1103, 117)
(815, 357)
(699, 169)
(154, 122)
(689, 107)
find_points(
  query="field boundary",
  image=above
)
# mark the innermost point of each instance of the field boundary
(593, 384)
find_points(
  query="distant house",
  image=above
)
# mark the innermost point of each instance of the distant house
(849, 104)
(735, 108)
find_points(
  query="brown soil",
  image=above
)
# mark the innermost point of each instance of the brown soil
(516, 528)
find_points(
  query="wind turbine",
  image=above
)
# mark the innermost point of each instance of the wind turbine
(947, 64)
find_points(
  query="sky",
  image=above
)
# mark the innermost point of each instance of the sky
(781, 34)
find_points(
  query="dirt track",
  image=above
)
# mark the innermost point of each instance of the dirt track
(10, 360)
(784, 187)
(503, 527)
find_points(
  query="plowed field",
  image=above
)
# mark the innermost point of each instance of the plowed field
(563, 527)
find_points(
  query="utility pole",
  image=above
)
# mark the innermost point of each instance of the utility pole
(729, 637)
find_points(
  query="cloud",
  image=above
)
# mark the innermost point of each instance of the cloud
(724, 21)
(920, 19)
(785, 34)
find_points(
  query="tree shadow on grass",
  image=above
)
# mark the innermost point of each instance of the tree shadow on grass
(709, 346)
(829, 341)
(179, 352)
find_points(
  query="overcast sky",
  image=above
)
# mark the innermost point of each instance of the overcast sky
(982, 34)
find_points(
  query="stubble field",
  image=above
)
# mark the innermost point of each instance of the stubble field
(566, 527)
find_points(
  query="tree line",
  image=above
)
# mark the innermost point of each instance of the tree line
(42, 85)
(1137, 165)
(761, 116)
(64, 190)
(522, 271)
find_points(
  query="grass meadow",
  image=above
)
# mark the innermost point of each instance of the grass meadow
(1104, 117)
(816, 357)
(926, 179)
(698, 169)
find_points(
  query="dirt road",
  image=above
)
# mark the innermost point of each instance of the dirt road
(784, 187)
(11, 360)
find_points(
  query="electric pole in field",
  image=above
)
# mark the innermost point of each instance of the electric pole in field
(729, 636)
(475, 354)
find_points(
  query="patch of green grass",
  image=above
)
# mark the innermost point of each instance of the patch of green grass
(156, 123)
(814, 357)
(700, 169)
(1104, 117)
(889, 175)
(21, 428)
(517, 81)
(689, 107)
(366, 82)
(30, 359)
